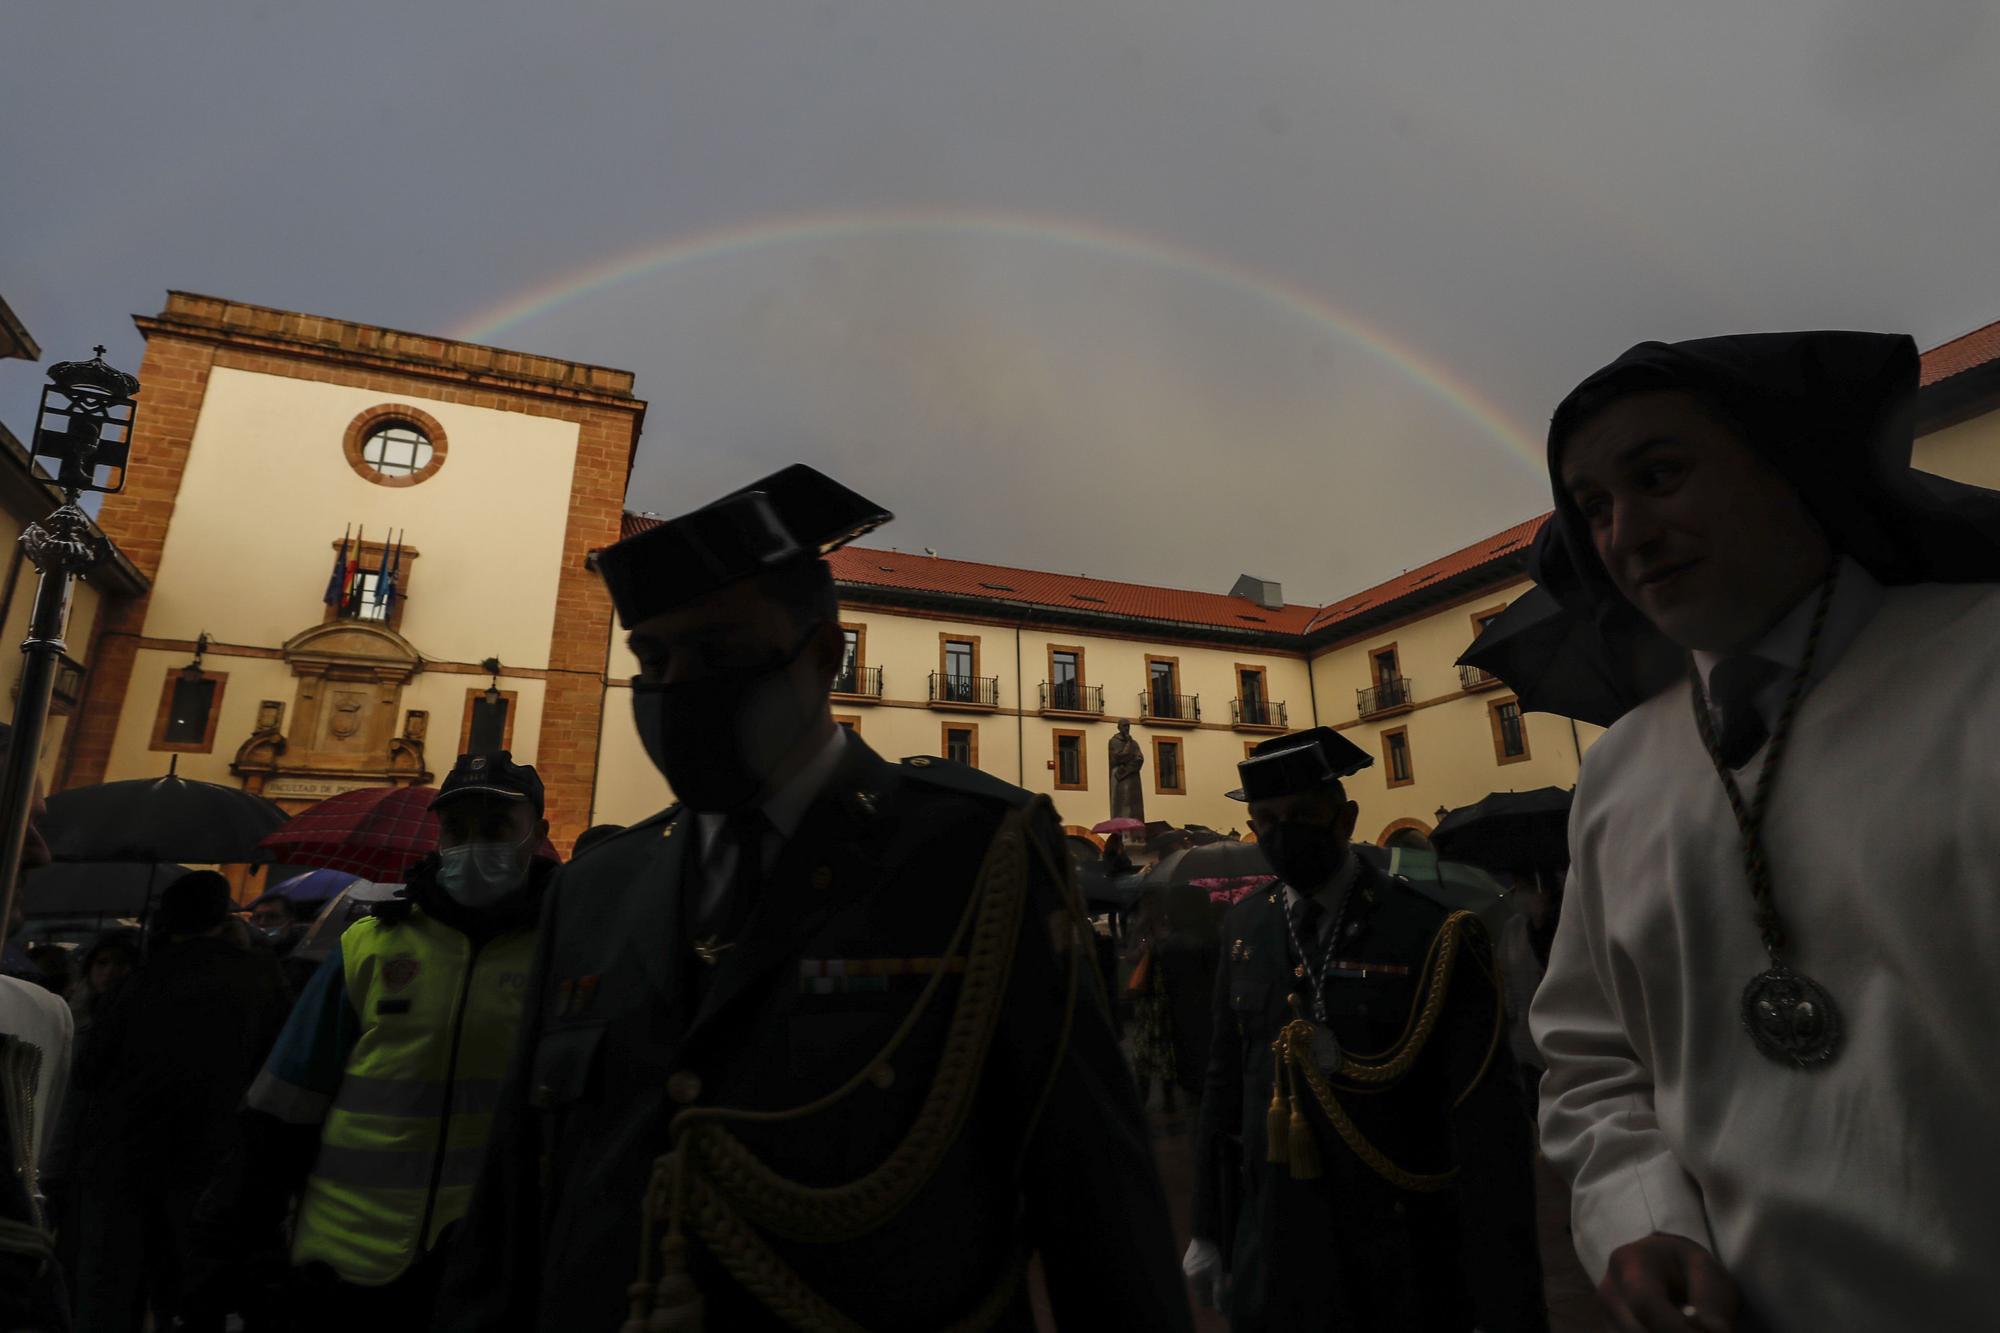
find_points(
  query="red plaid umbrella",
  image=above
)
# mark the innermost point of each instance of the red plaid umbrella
(376, 832)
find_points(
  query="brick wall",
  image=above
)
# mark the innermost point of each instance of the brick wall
(173, 378)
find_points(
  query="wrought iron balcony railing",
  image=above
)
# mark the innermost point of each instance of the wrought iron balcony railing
(971, 691)
(1258, 713)
(1476, 678)
(1159, 706)
(860, 683)
(1384, 695)
(1069, 696)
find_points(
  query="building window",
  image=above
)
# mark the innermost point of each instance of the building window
(190, 705)
(395, 445)
(360, 596)
(1169, 778)
(489, 724)
(1071, 774)
(853, 724)
(961, 744)
(1384, 663)
(853, 646)
(1163, 692)
(397, 449)
(1396, 757)
(1066, 679)
(1510, 731)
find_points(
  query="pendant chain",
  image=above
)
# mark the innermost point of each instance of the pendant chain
(1750, 819)
(1317, 976)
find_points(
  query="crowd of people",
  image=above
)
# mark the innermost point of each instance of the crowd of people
(827, 1045)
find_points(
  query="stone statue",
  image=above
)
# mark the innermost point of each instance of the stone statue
(1128, 798)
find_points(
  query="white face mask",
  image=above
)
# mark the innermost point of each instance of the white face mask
(480, 874)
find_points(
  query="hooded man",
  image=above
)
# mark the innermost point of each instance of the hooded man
(1359, 1096)
(1770, 1072)
(376, 1104)
(819, 1046)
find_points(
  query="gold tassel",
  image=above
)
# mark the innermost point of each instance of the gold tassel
(677, 1303)
(1279, 1116)
(1304, 1146)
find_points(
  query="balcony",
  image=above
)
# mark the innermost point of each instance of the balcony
(1068, 696)
(1182, 710)
(948, 691)
(1477, 678)
(1385, 696)
(1257, 715)
(859, 683)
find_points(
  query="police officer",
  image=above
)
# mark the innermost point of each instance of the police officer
(378, 1098)
(1361, 1159)
(820, 1046)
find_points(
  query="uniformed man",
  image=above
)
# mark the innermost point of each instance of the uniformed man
(819, 1046)
(1359, 1138)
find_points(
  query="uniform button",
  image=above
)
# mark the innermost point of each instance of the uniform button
(882, 1075)
(684, 1086)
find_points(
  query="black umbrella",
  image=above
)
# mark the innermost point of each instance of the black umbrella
(75, 888)
(159, 819)
(1508, 830)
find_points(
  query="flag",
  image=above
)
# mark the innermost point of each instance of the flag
(382, 593)
(393, 576)
(336, 587)
(351, 595)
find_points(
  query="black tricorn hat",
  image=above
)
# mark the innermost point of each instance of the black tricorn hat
(1302, 761)
(790, 517)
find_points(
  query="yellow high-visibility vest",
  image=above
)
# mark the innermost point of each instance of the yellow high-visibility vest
(403, 1141)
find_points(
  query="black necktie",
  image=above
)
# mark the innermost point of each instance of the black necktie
(1734, 687)
(1308, 916)
(745, 832)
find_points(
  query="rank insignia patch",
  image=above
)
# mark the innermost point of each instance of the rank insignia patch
(849, 976)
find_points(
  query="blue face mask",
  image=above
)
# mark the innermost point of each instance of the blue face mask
(479, 874)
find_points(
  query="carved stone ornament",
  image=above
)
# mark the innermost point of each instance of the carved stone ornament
(344, 718)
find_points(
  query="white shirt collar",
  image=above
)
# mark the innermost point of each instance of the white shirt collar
(1856, 597)
(787, 806)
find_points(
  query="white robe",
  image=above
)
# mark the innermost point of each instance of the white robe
(1864, 1195)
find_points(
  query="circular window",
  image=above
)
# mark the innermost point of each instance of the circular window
(395, 445)
(397, 449)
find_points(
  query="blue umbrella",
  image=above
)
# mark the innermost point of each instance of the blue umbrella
(314, 886)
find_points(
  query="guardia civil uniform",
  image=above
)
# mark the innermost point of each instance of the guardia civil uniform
(1389, 1187)
(893, 1085)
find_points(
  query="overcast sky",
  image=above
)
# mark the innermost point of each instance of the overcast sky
(1145, 289)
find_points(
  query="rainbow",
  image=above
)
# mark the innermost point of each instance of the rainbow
(613, 271)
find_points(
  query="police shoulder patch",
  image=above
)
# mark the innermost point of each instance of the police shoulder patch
(949, 775)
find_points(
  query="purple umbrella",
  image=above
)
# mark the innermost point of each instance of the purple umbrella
(315, 886)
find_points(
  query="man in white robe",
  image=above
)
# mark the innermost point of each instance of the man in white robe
(1736, 498)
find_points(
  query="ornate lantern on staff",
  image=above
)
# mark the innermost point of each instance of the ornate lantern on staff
(84, 433)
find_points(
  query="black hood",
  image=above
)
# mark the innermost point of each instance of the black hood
(1834, 413)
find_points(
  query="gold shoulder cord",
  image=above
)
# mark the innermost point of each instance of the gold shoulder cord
(710, 1182)
(1289, 1137)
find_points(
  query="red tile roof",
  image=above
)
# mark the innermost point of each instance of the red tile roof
(1975, 349)
(1513, 542)
(1072, 592)
(631, 524)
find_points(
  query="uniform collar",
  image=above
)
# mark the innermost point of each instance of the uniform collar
(788, 805)
(1856, 598)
